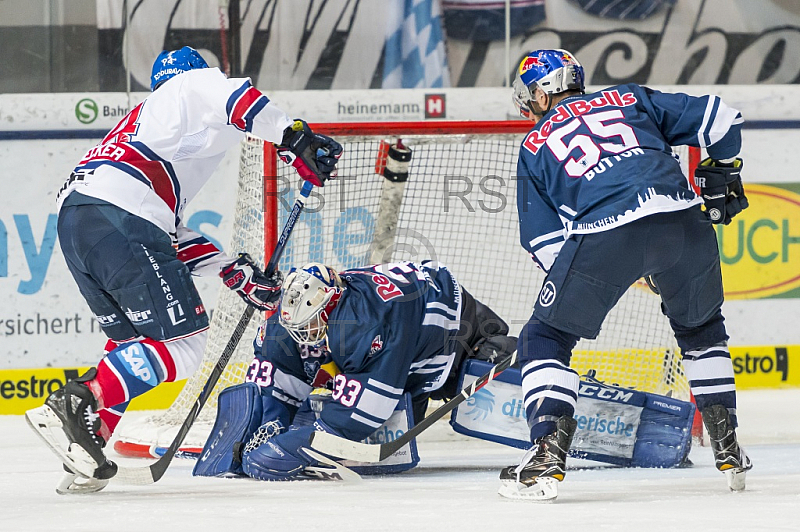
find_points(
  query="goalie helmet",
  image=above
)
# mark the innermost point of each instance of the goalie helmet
(309, 296)
(170, 64)
(553, 71)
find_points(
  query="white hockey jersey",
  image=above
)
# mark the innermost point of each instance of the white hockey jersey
(165, 149)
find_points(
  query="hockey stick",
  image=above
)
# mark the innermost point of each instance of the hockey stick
(365, 452)
(153, 472)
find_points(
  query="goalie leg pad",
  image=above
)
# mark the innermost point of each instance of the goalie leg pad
(615, 425)
(239, 411)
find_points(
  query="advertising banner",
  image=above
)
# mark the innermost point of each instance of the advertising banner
(766, 367)
(44, 321)
(760, 249)
(23, 389)
(754, 367)
(339, 44)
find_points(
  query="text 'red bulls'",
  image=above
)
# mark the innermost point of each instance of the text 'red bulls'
(611, 98)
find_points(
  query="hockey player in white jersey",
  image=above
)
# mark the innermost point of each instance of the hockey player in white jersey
(120, 227)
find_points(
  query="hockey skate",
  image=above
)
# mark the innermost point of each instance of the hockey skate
(537, 476)
(729, 457)
(71, 410)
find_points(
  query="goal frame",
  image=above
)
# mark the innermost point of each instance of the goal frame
(269, 172)
(429, 127)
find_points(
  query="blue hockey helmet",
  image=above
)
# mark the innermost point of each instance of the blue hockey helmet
(553, 71)
(170, 64)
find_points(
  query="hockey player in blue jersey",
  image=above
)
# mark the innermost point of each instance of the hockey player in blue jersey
(121, 229)
(602, 202)
(373, 334)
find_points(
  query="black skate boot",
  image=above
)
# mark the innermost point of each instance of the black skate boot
(73, 410)
(729, 457)
(542, 468)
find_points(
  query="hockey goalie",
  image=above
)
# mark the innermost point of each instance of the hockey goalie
(382, 341)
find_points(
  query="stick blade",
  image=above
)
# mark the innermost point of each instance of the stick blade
(135, 476)
(343, 448)
(331, 470)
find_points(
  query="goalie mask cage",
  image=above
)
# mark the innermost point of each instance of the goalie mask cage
(458, 207)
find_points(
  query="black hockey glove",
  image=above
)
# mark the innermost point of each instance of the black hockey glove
(314, 156)
(720, 185)
(495, 347)
(247, 279)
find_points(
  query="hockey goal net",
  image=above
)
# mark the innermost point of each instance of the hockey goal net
(458, 206)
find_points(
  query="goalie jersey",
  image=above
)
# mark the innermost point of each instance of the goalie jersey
(393, 331)
(598, 161)
(158, 157)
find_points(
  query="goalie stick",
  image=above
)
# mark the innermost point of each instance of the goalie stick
(365, 452)
(153, 472)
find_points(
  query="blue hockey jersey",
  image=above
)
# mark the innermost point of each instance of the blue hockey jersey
(601, 160)
(393, 331)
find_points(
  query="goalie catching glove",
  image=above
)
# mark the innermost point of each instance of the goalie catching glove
(721, 187)
(256, 288)
(275, 453)
(314, 156)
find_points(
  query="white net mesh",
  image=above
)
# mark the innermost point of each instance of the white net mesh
(458, 207)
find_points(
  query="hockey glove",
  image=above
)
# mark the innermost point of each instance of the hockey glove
(720, 185)
(314, 156)
(489, 349)
(278, 453)
(247, 279)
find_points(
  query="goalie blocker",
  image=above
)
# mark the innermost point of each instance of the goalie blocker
(615, 425)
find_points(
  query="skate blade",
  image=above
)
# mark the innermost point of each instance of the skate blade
(48, 426)
(77, 484)
(545, 489)
(736, 479)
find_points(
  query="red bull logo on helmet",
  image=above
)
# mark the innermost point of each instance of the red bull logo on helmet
(528, 63)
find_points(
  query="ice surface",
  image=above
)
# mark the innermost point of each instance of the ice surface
(453, 489)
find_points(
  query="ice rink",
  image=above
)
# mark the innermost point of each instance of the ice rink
(454, 488)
